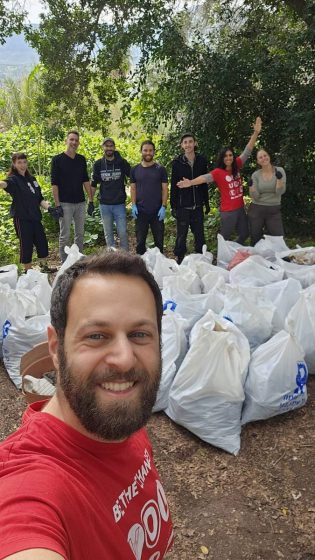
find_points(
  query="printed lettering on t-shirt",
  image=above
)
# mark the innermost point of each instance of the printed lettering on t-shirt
(31, 187)
(110, 174)
(235, 186)
(144, 535)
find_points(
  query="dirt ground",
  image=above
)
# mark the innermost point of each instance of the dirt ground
(257, 506)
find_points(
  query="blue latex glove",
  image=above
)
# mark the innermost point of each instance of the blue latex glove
(161, 213)
(134, 211)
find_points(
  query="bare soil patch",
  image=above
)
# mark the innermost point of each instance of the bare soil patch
(257, 506)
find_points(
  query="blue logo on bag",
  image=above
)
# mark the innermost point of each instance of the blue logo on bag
(169, 304)
(6, 328)
(301, 378)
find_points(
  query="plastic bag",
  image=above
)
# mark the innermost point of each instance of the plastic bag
(194, 258)
(189, 306)
(283, 295)
(256, 271)
(174, 349)
(19, 336)
(300, 322)
(250, 311)
(37, 283)
(227, 251)
(269, 246)
(73, 256)
(207, 394)
(303, 273)
(9, 275)
(276, 381)
(184, 279)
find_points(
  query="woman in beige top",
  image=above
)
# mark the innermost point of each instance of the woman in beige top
(267, 186)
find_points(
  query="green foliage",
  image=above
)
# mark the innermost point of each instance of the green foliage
(214, 79)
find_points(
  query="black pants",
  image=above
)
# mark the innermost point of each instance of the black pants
(189, 218)
(30, 233)
(264, 219)
(143, 222)
(235, 220)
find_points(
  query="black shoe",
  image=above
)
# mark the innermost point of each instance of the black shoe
(179, 260)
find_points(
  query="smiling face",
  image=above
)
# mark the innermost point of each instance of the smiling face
(228, 159)
(109, 365)
(72, 142)
(188, 144)
(147, 152)
(263, 158)
(20, 165)
(109, 148)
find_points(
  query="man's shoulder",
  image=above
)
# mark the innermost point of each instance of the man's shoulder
(80, 157)
(59, 157)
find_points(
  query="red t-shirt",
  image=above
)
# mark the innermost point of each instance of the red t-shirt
(231, 189)
(83, 499)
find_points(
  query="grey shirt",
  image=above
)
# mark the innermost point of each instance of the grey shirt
(264, 192)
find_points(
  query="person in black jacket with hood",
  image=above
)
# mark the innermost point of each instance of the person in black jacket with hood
(111, 172)
(187, 204)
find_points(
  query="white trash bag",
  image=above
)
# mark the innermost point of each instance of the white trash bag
(269, 246)
(302, 272)
(189, 306)
(276, 381)
(300, 322)
(250, 311)
(183, 279)
(9, 275)
(37, 283)
(174, 349)
(207, 394)
(19, 336)
(163, 267)
(283, 295)
(73, 256)
(194, 258)
(256, 271)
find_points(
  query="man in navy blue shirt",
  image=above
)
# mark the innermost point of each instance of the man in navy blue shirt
(149, 197)
(68, 176)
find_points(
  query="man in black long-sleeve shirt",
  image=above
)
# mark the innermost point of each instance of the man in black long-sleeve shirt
(187, 204)
(68, 176)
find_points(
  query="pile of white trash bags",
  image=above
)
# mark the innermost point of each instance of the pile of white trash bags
(238, 339)
(25, 312)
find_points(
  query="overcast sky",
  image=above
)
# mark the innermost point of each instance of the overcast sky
(34, 8)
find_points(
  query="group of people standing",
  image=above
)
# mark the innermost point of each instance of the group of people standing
(189, 196)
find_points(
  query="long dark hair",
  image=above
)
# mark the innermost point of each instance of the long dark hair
(220, 161)
(13, 170)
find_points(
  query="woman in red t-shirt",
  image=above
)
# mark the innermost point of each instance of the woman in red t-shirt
(227, 177)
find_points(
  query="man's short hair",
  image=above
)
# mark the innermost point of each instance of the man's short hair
(104, 263)
(73, 132)
(147, 142)
(188, 135)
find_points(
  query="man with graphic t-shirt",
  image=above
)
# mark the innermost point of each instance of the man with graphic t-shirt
(68, 176)
(149, 193)
(111, 172)
(77, 480)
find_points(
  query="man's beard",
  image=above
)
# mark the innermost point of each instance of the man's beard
(110, 421)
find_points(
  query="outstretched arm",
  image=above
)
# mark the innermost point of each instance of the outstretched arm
(185, 183)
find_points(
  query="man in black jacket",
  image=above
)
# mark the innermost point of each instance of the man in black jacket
(187, 204)
(111, 172)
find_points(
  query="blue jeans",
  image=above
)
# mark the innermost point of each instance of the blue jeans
(111, 213)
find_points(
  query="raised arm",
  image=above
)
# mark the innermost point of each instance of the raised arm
(252, 141)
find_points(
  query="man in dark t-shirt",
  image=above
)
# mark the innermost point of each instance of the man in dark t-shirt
(68, 176)
(149, 197)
